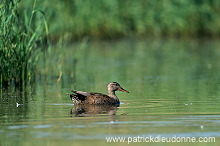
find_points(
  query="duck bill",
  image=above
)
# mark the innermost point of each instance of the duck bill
(123, 90)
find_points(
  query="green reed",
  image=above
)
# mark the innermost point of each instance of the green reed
(75, 19)
(22, 35)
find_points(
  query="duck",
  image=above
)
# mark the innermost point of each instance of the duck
(92, 98)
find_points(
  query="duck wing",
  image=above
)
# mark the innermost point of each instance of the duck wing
(99, 98)
(80, 97)
(90, 94)
(81, 93)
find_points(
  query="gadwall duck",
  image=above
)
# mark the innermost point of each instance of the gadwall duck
(97, 98)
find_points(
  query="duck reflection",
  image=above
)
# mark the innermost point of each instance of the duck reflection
(83, 110)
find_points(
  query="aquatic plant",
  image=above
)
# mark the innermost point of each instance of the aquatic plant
(76, 19)
(22, 35)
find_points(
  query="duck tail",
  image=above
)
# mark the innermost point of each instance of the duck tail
(70, 95)
(74, 98)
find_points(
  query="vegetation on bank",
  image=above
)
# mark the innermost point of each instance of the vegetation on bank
(74, 19)
(24, 32)
(22, 35)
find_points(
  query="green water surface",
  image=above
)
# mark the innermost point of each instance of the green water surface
(173, 84)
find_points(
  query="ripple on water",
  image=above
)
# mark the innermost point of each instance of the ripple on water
(27, 126)
(62, 104)
(42, 126)
(17, 126)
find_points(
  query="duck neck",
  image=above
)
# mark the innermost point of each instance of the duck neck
(111, 93)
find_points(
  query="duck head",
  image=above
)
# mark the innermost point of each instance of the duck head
(114, 86)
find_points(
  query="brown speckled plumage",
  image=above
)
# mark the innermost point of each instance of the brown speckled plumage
(80, 97)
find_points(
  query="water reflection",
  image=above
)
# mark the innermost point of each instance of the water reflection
(85, 110)
(174, 84)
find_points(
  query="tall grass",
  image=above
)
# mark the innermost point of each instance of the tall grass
(22, 37)
(74, 19)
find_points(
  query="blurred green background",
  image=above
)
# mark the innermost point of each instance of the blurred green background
(74, 19)
(32, 28)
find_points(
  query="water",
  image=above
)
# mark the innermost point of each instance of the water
(173, 84)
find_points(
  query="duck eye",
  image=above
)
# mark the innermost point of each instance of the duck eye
(115, 84)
